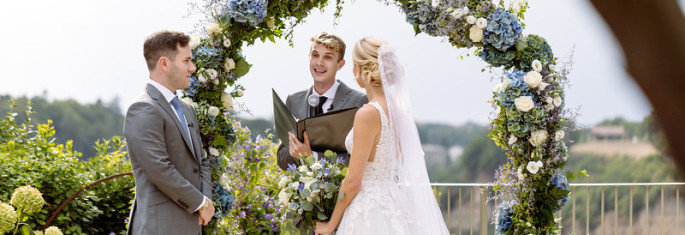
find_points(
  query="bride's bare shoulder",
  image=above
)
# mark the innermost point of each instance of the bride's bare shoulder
(367, 116)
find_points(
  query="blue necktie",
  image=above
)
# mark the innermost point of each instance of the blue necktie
(179, 109)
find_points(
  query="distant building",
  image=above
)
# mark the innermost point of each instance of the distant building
(455, 152)
(436, 155)
(609, 133)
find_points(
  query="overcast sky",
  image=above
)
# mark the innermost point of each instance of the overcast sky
(88, 50)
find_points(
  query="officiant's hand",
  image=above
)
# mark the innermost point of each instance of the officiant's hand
(298, 148)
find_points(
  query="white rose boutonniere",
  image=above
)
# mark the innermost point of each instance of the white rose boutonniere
(533, 79)
(475, 34)
(524, 103)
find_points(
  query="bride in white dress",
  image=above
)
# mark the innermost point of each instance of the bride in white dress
(386, 189)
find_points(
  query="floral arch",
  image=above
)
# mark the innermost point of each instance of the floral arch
(528, 120)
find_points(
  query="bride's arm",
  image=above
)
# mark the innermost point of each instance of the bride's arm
(367, 126)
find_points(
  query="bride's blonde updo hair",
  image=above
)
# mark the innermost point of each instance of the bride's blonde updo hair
(365, 55)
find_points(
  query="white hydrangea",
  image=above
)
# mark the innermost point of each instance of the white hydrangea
(538, 137)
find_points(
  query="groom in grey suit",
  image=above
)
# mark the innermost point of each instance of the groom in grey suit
(325, 59)
(172, 175)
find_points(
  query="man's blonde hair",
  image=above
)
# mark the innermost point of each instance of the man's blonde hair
(330, 41)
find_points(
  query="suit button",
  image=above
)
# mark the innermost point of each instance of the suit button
(195, 171)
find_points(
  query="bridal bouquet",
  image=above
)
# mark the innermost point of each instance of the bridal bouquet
(311, 190)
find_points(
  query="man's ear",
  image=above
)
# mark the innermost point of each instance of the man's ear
(163, 63)
(341, 63)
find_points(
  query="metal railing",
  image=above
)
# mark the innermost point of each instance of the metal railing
(623, 208)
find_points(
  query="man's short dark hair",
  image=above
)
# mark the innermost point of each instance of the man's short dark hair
(163, 43)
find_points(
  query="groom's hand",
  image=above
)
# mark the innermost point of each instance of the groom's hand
(298, 148)
(206, 214)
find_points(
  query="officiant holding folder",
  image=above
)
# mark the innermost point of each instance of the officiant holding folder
(327, 94)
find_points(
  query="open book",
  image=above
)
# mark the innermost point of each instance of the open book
(325, 131)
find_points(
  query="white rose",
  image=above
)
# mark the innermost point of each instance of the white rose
(303, 169)
(471, 19)
(213, 151)
(457, 14)
(229, 64)
(195, 41)
(465, 10)
(202, 78)
(538, 137)
(284, 180)
(537, 66)
(271, 22)
(212, 73)
(549, 100)
(212, 28)
(240, 93)
(435, 3)
(283, 197)
(557, 101)
(534, 167)
(505, 83)
(227, 100)
(533, 79)
(214, 111)
(227, 42)
(215, 81)
(543, 86)
(476, 34)
(512, 139)
(224, 181)
(189, 101)
(524, 103)
(559, 135)
(499, 87)
(519, 173)
(481, 23)
(549, 107)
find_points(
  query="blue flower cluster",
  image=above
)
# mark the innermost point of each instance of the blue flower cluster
(560, 182)
(518, 88)
(422, 16)
(503, 30)
(504, 213)
(225, 199)
(247, 11)
(192, 89)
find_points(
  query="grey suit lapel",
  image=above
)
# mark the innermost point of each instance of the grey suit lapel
(341, 96)
(161, 101)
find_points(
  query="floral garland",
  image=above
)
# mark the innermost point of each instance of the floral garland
(528, 121)
(529, 115)
(242, 168)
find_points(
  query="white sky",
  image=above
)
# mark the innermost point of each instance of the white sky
(88, 50)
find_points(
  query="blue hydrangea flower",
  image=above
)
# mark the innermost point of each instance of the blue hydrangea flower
(503, 30)
(423, 17)
(560, 182)
(225, 200)
(192, 89)
(497, 58)
(504, 213)
(247, 11)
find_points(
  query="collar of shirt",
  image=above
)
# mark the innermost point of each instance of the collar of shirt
(330, 93)
(168, 94)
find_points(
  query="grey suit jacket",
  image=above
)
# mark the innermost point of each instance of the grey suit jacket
(345, 97)
(171, 176)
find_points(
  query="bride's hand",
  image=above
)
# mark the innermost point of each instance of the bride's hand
(323, 228)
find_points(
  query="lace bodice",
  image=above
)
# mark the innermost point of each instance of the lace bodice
(382, 167)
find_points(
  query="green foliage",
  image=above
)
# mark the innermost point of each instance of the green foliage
(73, 121)
(29, 156)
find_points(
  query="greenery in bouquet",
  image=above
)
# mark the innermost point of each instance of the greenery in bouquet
(244, 195)
(310, 191)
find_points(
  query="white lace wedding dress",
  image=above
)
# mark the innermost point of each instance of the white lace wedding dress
(374, 210)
